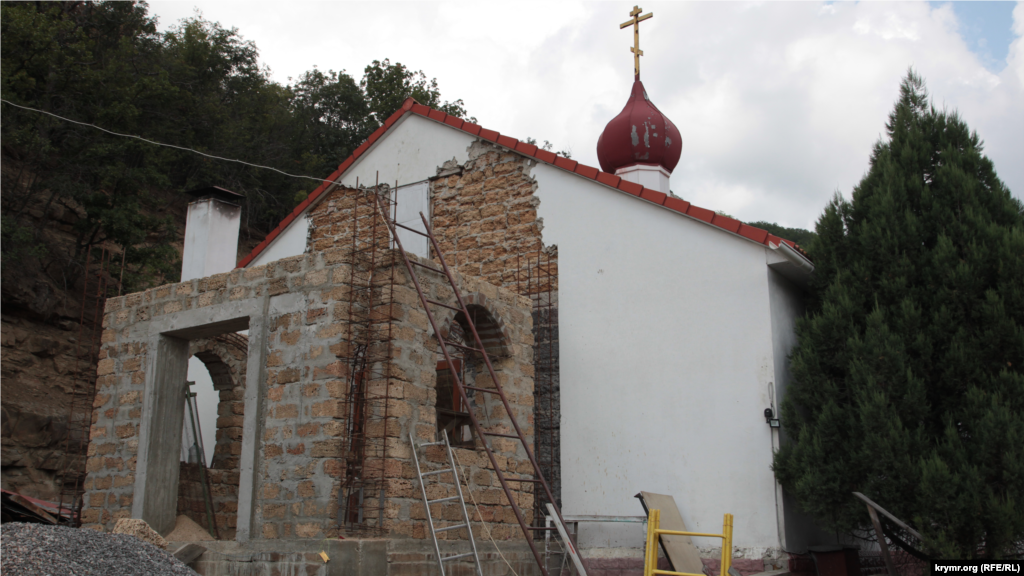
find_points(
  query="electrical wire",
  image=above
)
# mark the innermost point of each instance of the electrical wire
(321, 180)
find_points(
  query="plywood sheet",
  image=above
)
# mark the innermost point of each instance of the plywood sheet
(679, 549)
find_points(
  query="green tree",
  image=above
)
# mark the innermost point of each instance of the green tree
(549, 147)
(332, 116)
(909, 368)
(197, 86)
(387, 86)
(97, 63)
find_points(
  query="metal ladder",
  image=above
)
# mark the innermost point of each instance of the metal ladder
(481, 433)
(458, 491)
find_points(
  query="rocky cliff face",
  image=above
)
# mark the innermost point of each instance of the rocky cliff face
(44, 355)
(45, 349)
(41, 364)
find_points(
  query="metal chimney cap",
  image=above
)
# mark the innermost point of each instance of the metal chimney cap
(218, 193)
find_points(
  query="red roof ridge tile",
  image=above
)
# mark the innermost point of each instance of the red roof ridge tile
(611, 180)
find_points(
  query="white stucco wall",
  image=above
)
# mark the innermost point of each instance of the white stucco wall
(290, 242)
(411, 201)
(666, 358)
(412, 151)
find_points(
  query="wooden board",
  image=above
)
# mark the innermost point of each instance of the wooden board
(679, 549)
(24, 502)
(189, 553)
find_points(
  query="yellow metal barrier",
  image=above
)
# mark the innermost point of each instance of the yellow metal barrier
(653, 532)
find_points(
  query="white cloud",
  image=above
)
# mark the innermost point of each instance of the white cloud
(779, 104)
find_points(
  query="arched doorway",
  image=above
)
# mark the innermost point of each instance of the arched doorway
(224, 358)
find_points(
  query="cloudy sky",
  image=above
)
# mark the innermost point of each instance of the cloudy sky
(778, 103)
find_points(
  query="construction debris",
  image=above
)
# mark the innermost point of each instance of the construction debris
(63, 551)
(679, 550)
(187, 530)
(188, 553)
(18, 508)
(141, 530)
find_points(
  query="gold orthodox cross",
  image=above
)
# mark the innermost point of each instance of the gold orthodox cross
(635, 49)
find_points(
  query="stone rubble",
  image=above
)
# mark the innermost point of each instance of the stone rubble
(45, 550)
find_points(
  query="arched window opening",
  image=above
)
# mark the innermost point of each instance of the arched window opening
(452, 411)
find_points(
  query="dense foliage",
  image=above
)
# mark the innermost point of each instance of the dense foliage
(909, 369)
(197, 86)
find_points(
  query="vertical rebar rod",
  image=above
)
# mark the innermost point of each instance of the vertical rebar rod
(120, 280)
(347, 481)
(372, 315)
(549, 365)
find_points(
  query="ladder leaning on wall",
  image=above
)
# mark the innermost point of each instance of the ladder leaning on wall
(538, 477)
(458, 496)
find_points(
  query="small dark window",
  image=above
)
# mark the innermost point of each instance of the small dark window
(452, 411)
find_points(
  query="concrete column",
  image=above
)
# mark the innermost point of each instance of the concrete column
(252, 428)
(163, 409)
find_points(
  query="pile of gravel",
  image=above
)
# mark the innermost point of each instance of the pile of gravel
(39, 549)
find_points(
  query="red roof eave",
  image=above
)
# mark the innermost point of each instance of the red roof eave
(410, 106)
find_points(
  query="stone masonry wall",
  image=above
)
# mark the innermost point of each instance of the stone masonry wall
(484, 215)
(298, 455)
(346, 212)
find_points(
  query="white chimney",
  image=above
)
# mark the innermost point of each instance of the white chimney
(211, 233)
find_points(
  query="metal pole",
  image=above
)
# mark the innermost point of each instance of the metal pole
(202, 461)
(207, 492)
(881, 541)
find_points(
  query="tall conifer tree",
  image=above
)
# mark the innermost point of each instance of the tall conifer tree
(909, 368)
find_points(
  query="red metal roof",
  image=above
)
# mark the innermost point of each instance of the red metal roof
(410, 106)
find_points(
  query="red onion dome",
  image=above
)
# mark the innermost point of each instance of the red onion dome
(640, 134)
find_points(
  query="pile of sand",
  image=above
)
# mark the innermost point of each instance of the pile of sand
(141, 530)
(186, 530)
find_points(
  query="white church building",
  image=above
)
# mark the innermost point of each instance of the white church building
(675, 323)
